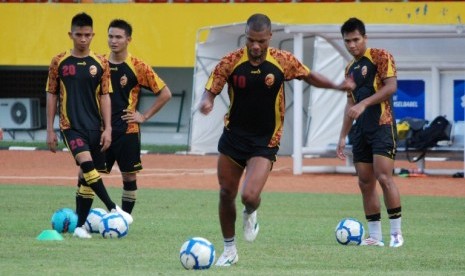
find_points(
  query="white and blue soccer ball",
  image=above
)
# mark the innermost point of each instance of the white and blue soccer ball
(197, 253)
(93, 219)
(113, 225)
(64, 220)
(349, 231)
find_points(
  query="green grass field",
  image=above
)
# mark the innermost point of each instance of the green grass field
(296, 236)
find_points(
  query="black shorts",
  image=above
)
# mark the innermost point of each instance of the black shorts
(241, 149)
(379, 141)
(125, 150)
(78, 141)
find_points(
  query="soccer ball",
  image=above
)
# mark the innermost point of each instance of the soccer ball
(64, 220)
(113, 225)
(349, 231)
(197, 253)
(93, 219)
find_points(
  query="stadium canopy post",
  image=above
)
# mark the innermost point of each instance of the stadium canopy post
(298, 90)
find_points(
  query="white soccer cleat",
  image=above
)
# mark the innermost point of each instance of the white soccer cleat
(81, 233)
(371, 242)
(228, 258)
(125, 215)
(396, 240)
(251, 226)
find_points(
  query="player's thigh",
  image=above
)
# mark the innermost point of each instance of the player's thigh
(257, 172)
(365, 173)
(383, 166)
(384, 142)
(78, 143)
(361, 148)
(127, 153)
(98, 156)
(229, 172)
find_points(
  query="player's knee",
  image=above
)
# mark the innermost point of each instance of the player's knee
(384, 180)
(250, 199)
(227, 194)
(129, 177)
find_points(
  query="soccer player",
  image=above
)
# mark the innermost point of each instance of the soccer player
(128, 75)
(79, 82)
(255, 75)
(374, 133)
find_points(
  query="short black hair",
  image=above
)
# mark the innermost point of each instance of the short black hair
(82, 20)
(258, 22)
(121, 24)
(353, 24)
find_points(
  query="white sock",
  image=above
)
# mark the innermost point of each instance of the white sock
(374, 229)
(229, 244)
(396, 225)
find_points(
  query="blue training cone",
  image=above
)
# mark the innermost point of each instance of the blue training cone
(49, 235)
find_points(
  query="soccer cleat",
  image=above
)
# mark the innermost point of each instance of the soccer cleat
(81, 233)
(228, 258)
(372, 242)
(396, 240)
(251, 226)
(125, 215)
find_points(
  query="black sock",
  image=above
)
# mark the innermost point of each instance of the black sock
(95, 182)
(84, 200)
(128, 199)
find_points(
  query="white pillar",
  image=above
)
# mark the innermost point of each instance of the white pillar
(436, 92)
(298, 91)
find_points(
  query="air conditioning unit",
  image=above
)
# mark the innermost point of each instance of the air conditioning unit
(19, 113)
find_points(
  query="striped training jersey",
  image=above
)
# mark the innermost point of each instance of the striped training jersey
(79, 82)
(369, 72)
(127, 79)
(256, 93)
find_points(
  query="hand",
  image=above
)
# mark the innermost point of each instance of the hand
(355, 111)
(206, 106)
(206, 103)
(52, 141)
(105, 139)
(340, 149)
(347, 85)
(133, 117)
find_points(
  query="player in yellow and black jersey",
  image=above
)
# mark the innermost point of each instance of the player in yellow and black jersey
(374, 134)
(79, 84)
(128, 76)
(255, 76)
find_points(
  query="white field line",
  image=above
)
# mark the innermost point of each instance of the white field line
(144, 173)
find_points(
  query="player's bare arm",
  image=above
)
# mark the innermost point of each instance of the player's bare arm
(346, 125)
(52, 140)
(318, 80)
(206, 103)
(105, 103)
(134, 116)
